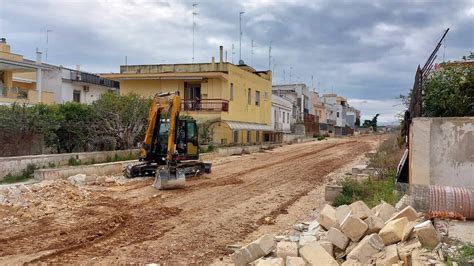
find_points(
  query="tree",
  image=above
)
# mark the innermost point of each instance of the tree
(357, 122)
(371, 123)
(449, 91)
(74, 131)
(121, 119)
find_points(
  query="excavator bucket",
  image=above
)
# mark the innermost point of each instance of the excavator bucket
(167, 179)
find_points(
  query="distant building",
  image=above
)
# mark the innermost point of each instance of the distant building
(281, 117)
(320, 112)
(340, 114)
(300, 95)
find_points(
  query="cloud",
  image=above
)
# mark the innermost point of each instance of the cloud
(361, 49)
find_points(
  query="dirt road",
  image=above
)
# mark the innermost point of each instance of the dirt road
(135, 223)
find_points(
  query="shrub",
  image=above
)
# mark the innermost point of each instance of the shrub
(73, 162)
(25, 174)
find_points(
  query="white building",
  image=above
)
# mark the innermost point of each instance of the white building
(300, 96)
(282, 109)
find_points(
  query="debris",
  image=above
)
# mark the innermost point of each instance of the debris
(341, 212)
(385, 211)
(366, 248)
(353, 227)
(327, 217)
(407, 212)
(299, 227)
(269, 262)
(304, 239)
(406, 248)
(79, 179)
(393, 230)
(314, 254)
(327, 246)
(294, 261)
(286, 248)
(360, 210)
(253, 251)
(427, 234)
(337, 238)
(374, 223)
(390, 256)
(407, 232)
(313, 225)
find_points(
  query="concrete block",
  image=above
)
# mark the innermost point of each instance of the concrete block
(358, 169)
(270, 262)
(427, 234)
(313, 226)
(304, 239)
(408, 232)
(406, 248)
(352, 263)
(407, 212)
(376, 208)
(295, 261)
(374, 223)
(327, 217)
(327, 246)
(331, 192)
(286, 248)
(314, 254)
(385, 211)
(341, 213)
(362, 177)
(337, 238)
(360, 210)
(366, 249)
(390, 256)
(257, 249)
(393, 230)
(353, 227)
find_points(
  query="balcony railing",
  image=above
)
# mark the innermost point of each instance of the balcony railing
(331, 122)
(207, 105)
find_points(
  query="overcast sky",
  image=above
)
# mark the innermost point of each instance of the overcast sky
(365, 50)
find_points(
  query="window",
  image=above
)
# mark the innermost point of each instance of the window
(249, 136)
(249, 96)
(288, 117)
(236, 136)
(257, 136)
(266, 96)
(76, 96)
(337, 114)
(231, 91)
(257, 98)
(283, 117)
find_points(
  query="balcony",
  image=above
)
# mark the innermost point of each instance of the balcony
(205, 105)
(331, 122)
(23, 96)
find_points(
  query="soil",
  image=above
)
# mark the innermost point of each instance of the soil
(56, 222)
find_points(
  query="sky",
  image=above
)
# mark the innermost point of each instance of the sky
(364, 50)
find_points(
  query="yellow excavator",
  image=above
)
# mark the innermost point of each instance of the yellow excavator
(170, 150)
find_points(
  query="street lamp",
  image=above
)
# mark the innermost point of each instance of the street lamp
(241, 62)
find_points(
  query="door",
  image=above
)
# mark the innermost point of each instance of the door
(192, 143)
(192, 96)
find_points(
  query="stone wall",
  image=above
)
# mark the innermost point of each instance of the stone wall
(442, 151)
(18, 143)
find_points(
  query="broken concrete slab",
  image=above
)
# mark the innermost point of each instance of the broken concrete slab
(408, 232)
(286, 248)
(269, 262)
(314, 254)
(374, 223)
(337, 238)
(390, 256)
(327, 217)
(427, 234)
(406, 248)
(251, 252)
(385, 211)
(294, 261)
(341, 212)
(360, 210)
(366, 248)
(313, 225)
(353, 227)
(327, 246)
(376, 208)
(352, 263)
(393, 230)
(304, 239)
(407, 212)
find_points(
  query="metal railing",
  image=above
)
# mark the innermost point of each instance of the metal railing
(207, 105)
(331, 122)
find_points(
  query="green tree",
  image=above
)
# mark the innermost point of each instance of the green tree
(75, 130)
(449, 91)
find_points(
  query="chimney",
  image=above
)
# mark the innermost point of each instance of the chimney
(213, 64)
(221, 57)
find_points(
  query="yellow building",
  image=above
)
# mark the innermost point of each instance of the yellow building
(235, 99)
(18, 78)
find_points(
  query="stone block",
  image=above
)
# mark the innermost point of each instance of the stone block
(360, 210)
(295, 261)
(341, 213)
(406, 248)
(385, 211)
(390, 256)
(376, 208)
(407, 212)
(253, 251)
(327, 246)
(366, 249)
(393, 230)
(427, 234)
(374, 223)
(314, 254)
(353, 227)
(362, 177)
(305, 239)
(352, 263)
(327, 217)
(408, 232)
(331, 192)
(337, 238)
(286, 248)
(269, 262)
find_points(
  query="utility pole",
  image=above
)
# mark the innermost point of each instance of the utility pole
(270, 56)
(126, 61)
(312, 86)
(240, 39)
(233, 53)
(194, 25)
(47, 42)
(284, 79)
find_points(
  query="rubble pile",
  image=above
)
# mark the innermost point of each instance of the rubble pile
(351, 235)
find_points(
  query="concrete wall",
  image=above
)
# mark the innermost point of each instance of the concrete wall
(15, 165)
(442, 151)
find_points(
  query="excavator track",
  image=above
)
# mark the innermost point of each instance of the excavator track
(149, 169)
